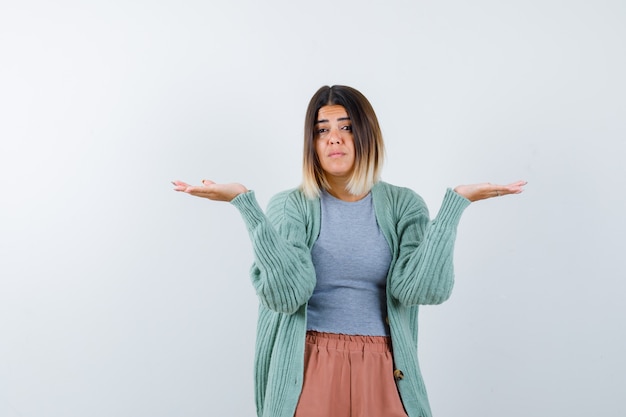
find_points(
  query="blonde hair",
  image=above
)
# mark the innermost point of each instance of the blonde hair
(368, 141)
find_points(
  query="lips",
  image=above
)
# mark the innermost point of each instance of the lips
(336, 154)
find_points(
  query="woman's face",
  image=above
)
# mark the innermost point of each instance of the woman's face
(334, 143)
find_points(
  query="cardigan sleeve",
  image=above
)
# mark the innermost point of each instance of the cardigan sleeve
(423, 272)
(282, 274)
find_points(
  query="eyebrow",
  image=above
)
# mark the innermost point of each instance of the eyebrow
(341, 119)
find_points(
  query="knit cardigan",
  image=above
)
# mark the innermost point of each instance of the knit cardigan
(421, 272)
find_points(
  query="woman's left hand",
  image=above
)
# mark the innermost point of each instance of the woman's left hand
(475, 192)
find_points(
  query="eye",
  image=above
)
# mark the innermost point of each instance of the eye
(321, 130)
(347, 128)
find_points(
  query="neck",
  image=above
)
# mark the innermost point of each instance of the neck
(339, 190)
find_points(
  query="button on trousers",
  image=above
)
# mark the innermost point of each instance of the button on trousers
(348, 376)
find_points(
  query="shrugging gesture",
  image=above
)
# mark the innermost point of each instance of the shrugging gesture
(323, 278)
(226, 192)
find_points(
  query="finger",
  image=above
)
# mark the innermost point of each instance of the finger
(207, 182)
(517, 187)
(500, 190)
(179, 185)
(513, 188)
(199, 190)
(518, 184)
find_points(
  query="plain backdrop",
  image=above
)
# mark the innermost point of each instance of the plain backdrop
(122, 298)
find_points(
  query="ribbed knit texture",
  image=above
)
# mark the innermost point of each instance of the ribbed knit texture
(283, 276)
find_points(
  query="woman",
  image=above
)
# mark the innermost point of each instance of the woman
(341, 266)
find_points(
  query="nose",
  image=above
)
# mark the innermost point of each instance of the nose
(334, 137)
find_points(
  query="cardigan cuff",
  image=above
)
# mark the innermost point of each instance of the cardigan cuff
(452, 208)
(249, 208)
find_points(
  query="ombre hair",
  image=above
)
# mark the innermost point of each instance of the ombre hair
(368, 141)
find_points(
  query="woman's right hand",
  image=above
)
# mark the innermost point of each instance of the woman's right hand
(211, 190)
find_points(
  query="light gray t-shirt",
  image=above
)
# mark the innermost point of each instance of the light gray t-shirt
(351, 258)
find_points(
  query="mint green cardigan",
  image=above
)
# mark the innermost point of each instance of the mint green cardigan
(283, 276)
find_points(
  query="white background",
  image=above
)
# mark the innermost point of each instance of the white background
(120, 297)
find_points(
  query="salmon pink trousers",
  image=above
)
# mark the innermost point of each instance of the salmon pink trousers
(348, 376)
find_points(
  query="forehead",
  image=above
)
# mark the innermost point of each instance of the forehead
(331, 113)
